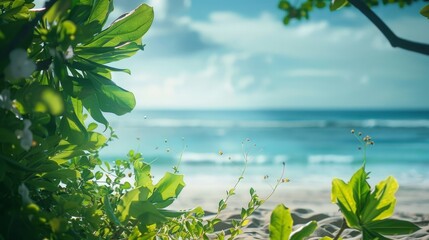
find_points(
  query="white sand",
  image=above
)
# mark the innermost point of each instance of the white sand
(306, 204)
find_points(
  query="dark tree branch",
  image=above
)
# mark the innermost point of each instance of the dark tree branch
(394, 40)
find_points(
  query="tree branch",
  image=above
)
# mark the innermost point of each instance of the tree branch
(394, 40)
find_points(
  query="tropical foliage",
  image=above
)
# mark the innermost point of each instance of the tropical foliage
(304, 8)
(55, 89)
(364, 209)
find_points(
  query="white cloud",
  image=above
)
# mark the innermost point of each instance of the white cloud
(311, 72)
(259, 63)
(267, 35)
(165, 9)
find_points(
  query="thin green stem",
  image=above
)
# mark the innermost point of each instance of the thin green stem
(176, 168)
(343, 227)
(279, 181)
(245, 156)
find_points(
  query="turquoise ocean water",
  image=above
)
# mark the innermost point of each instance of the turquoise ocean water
(315, 145)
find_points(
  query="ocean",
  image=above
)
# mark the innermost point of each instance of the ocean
(314, 145)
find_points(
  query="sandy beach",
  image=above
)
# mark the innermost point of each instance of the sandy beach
(328, 224)
(306, 204)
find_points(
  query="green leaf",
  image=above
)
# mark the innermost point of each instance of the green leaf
(381, 202)
(72, 129)
(62, 174)
(392, 227)
(371, 235)
(281, 223)
(112, 98)
(172, 213)
(138, 194)
(91, 127)
(8, 136)
(167, 190)
(142, 175)
(126, 185)
(304, 231)
(58, 225)
(243, 213)
(126, 29)
(361, 189)
(99, 13)
(95, 141)
(337, 4)
(44, 185)
(18, 10)
(57, 11)
(65, 155)
(39, 98)
(91, 104)
(88, 65)
(425, 11)
(109, 211)
(98, 175)
(342, 195)
(146, 213)
(104, 55)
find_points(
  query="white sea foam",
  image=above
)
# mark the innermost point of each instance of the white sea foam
(330, 158)
(209, 123)
(222, 159)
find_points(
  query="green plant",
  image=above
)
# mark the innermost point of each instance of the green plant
(53, 185)
(195, 224)
(302, 11)
(53, 75)
(363, 209)
(368, 210)
(281, 224)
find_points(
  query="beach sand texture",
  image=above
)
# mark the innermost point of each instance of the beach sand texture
(306, 205)
(328, 224)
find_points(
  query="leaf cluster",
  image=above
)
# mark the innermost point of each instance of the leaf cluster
(367, 210)
(48, 142)
(364, 209)
(303, 9)
(53, 185)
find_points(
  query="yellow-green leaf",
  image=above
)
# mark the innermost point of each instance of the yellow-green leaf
(126, 29)
(342, 195)
(425, 11)
(381, 202)
(135, 195)
(337, 4)
(304, 231)
(167, 189)
(281, 223)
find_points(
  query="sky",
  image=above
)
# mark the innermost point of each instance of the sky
(238, 55)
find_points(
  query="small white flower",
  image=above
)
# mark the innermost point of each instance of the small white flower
(25, 194)
(25, 135)
(19, 67)
(7, 103)
(68, 54)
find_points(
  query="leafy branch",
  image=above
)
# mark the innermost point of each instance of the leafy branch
(364, 6)
(393, 39)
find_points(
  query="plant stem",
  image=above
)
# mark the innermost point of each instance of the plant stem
(394, 40)
(245, 156)
(343, 227)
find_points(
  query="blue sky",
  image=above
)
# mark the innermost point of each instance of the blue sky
(237, 54)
